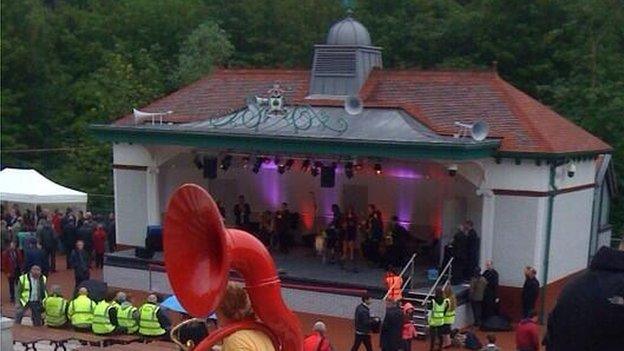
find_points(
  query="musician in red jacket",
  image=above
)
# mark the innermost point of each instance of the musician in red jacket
(317, 341)
(99, 245)
(527, 334)
(12, 262)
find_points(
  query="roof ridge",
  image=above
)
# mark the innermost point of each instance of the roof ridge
(525, 119)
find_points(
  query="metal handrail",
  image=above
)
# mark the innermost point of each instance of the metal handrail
(446, 268)
(407, 265)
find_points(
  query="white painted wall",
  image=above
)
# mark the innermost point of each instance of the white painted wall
(130, 206)
(514, 244)
(569, 245)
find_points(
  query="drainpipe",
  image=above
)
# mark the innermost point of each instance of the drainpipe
(549, 223)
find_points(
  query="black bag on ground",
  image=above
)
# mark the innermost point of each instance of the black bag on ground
(496, 323)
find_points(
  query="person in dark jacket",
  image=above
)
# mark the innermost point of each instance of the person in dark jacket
(35, 256)
(85, 232)
(461, 251)
(363, 325)
(589, 314)
(242, 211)
(490, 295)
(47, 238)
(80, 261)
(391, 328)
(68, 226)
(111, 235)
(530, 291)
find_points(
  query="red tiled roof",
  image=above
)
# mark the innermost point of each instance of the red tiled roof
(435, 98)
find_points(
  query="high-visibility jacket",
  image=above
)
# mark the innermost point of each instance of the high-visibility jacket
(449, 314)
(101, 320)
(436, 316)
(148, 320)
(25, 290)
(80, 311)
(55, 308)
(125, 318)
(394, 284)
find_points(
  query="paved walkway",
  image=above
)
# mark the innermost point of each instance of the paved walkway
(340, 330)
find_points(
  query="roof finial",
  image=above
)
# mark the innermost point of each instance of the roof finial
(348, 5)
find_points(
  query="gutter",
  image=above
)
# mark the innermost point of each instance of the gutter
(549, 225)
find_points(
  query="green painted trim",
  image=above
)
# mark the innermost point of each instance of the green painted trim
(251, 143)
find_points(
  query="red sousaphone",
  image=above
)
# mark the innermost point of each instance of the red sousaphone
(199, 253)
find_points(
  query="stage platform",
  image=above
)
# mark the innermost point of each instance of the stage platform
(308, 285)
(299, 267)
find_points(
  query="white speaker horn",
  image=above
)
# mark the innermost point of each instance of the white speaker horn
(353, 105)
(140, 116)
(478, 131)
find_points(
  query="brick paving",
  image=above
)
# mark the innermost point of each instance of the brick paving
(340, 330)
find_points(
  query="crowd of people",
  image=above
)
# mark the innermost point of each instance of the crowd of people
(114, 314)
(32, 238)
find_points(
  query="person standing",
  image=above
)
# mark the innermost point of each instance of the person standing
(111, 236)
(391, 328)
(409, 330)
(375, 233)
(527, 333)
(490, 295)
(461, 250)
(473, 245)
(47, 238)
(55, 307)
(79, 260)
(35, 256)
(31, 290)
(478, 285)
(80, 310)
(449, 314)
(12, 261)
(363, 325)
(394, 284)
(530, 291)
(439, 305)
(282, 222)
(85, 232)
(317, 341)
(68, 225)
(351, 228)
(242, 212)
(99, 245)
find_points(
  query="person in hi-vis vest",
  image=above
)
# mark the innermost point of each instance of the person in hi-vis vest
(31, 290)
(105, 321)
(439, 305)
(80, 310)
(55, 307)
(127, 314)
(152, 319)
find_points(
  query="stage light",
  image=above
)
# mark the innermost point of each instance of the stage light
(226, 162)
(359, 167)
(305, 165)
(257, 165)
(377, 168)
(289, 164)
(246, 162)
(349, 170)
(197, 160)
(281, 169)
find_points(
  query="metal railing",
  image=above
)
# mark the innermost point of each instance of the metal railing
(409, 265)
(447, 269)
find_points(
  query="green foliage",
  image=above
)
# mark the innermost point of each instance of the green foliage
(205, 47)
(79, 62)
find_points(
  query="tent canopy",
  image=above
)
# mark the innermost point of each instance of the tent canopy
(29, 186)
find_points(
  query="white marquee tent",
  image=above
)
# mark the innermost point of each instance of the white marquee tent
(29, 186)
